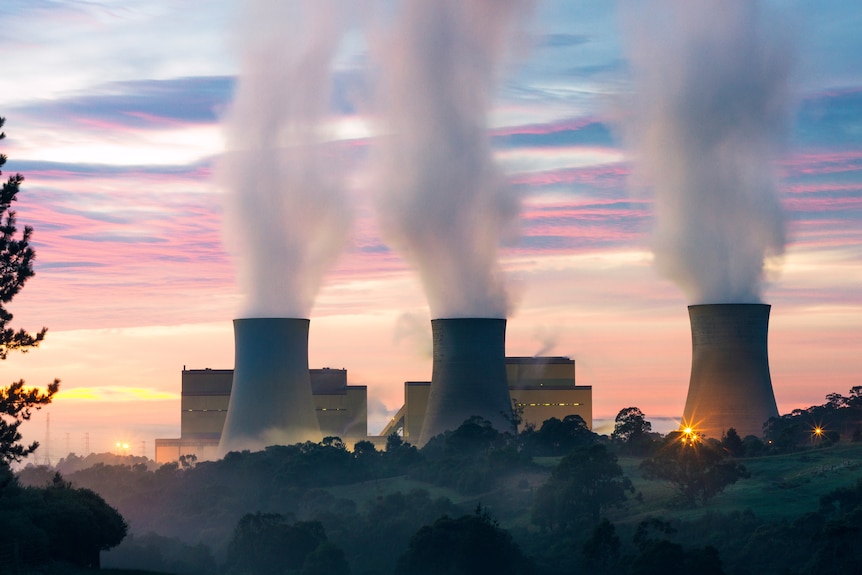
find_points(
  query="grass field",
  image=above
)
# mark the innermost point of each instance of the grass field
(780, 486)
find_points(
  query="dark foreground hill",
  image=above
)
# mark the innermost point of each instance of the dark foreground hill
(369, 504)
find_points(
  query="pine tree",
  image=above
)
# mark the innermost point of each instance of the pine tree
(16, 267)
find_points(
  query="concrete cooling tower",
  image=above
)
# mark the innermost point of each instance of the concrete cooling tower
(730, 384)
(468, 375)
(270, 401)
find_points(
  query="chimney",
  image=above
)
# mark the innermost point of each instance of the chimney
(468, 376)
(270, 401)
(730, 384)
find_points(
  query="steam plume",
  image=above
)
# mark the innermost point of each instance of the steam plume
(710, 111)
(286, 219)
(444, 203)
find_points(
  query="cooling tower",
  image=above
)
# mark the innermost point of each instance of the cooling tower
(730, 384)
(468, 375)
(270, 400)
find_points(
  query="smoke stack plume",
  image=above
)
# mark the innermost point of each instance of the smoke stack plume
(270, 401)
(468, 375)
(285, 215)
(710, 111)
(444, 204)
(730, 384)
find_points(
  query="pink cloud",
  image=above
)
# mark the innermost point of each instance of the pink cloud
(597, 176)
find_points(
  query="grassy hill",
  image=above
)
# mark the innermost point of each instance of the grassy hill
(780, 486)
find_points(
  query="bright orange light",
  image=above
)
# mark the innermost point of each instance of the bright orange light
(689, 434)
(817, 431)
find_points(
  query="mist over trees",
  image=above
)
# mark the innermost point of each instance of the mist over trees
(592, 509)
(469, 544)
(585, 482)
(698, 470)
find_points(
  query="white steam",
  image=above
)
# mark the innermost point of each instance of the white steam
(286, 218)
(444, 203)
(710, 110)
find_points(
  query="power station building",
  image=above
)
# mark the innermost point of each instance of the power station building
(341, 410)
(539, 388)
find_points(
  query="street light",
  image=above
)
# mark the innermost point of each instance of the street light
(689, 434)
(816, 433)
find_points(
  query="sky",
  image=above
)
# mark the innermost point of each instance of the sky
(115, 116)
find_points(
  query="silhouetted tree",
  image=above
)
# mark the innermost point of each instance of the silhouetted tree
(471, 459)
(556, 437)
(786, 433)
(387, 525)
(468, 544)
(334, 441)
(269, 544)
(152, 552)
(399, 455)
(393, 442)
(188, 461)
(697, 469)
(602, 550)
(476, 435)
(367, 459)
(16, 264)
(632, 429)
(732, 443)
(836, 547)
(583, 484)
(78, 522)
(753, 446)
(818, 425)
(326, 559)
(660, 556)
(363, 448)
(16, 405)
(16, 267)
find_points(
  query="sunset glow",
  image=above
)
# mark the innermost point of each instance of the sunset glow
(115, 120)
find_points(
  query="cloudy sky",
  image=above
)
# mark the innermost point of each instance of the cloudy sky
(115, 113)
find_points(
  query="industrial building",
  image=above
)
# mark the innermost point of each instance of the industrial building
(539, 387)
(341, 410)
